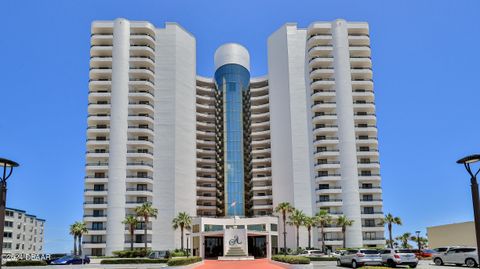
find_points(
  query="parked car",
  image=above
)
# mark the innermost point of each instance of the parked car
(312, 253)
(444, 249)
(337, 253)
(159, 254)
(394, 257)
(458, 256)
(359, 257)
(71, 259)
(54, 256)
(424, 253)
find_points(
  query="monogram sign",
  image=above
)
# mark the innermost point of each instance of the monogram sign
(234, 241)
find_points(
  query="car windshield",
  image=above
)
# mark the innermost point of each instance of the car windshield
(66, 258)
(404, 251)
(369, 251)
(440, 249)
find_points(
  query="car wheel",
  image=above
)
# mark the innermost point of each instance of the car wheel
(339, 263)
(471, 263)
(354, 264)
(438, 261)
(413, 266)
(391, 263)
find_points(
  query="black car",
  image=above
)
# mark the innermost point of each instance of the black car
(54, 256)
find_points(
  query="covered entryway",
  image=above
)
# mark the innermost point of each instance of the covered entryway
(257, 246)
(213, 247)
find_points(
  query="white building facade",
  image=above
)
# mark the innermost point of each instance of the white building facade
(230, 144)
(23, 234)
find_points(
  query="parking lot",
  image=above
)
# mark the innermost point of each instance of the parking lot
(425, 264)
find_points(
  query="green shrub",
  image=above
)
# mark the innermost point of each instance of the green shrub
(132, 261)
(26, 263)
(178, 253)
(291, 259)
(130, 253)
(320, 259)
(183, 261)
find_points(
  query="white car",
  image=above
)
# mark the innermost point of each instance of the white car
(457, 256)
(337, 253)
(394, 257)
(444, 249)
(359, 257)
(312, 253)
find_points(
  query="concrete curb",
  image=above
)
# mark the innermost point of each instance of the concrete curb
(292, 266)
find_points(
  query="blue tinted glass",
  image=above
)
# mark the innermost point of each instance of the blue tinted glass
(233, 80)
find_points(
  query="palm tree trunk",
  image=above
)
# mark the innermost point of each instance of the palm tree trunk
(390, 234)
(75, 245)
(80, 245)
(323, 238)
(145, 232)
(309, 237)
(344, 238)
(298, 237)
(132, 231)
(181, 237)
(284, 235)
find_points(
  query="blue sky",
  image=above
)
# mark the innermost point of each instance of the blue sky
(426, 68)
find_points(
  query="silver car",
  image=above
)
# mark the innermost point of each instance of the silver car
(359, 257)
(394, 257)
(457, 256)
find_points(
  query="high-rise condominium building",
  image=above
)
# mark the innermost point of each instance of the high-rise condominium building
(230, 144)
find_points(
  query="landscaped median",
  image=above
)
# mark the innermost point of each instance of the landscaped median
(178, 262)
(292, 262)
(25, 263)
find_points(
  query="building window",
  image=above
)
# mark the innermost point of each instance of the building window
(324, 198)
(256, 227)
(98, 200)
(369, 223)
(7, 235)
(97, 239)
(141, 187)
(366, 173)
(97, 213)
(9, 213)
(7, 245)
(141, 199)
(368, 210)
(98, 187)
(97, 252)
(273, 227)
(323, 186)
(8, 224)
(99, 175)
(97, 225)
(367, 197)
(139, 238)
(212, 227)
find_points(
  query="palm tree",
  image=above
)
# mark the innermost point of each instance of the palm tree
(344, 222)
(183, 220)
(390, 220)
(132, 222)
(146, 211)
(323, 219)
(73, 231)
(81, 230)
(296, 219)
(421, 241)
(284, 208)
(309, 222)
(404, 240)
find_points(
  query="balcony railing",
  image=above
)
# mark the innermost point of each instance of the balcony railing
(97, 164)
(330, 200)
(136, 189)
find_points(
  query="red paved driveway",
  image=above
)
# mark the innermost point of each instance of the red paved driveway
(255, 264)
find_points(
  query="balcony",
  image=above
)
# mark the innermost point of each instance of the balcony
(330, 190)
(139, 179)
(331, 202)
(326, 153)
(327, 165)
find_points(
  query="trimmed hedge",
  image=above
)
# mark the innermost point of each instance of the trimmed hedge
(130, 253)
(26, 263)
(320, 259)
(132, 261)
(178, 254)
(291, 259)
(183, 261)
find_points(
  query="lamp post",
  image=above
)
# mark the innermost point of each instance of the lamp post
(467, 161)
(418, 241)
(7, 165)
(188, 235)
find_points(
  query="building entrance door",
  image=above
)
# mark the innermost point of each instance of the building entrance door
(213, 246)
(257, 246)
